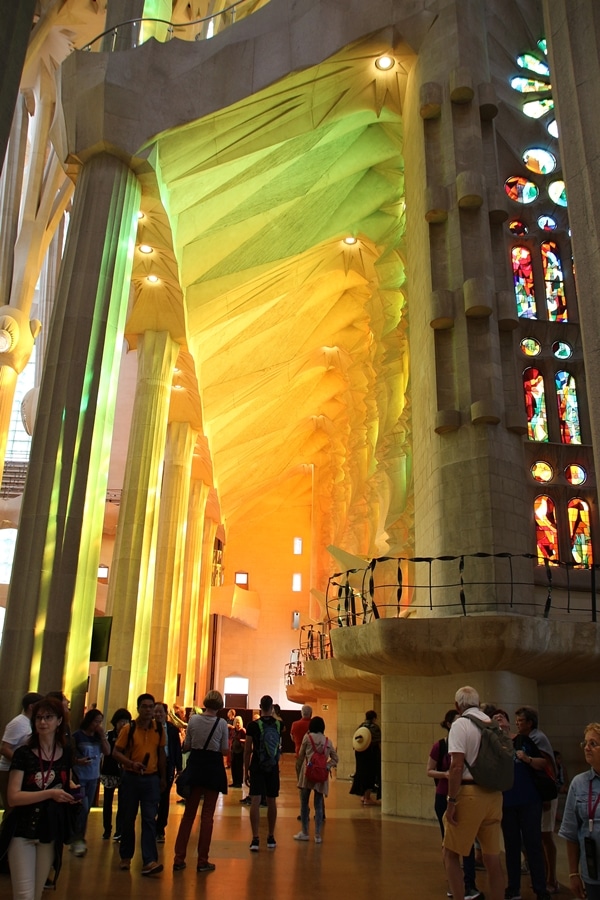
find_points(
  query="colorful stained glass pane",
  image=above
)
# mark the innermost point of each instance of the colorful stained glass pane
(540, 161)
(535, 109)
(562, 350)
(542, 471)
(558, 193)
(523, 282)
(520, 189)
(531, 347)
(531, 62)
(535, 405)
(553, 128)
(517, 227)
(546, 531)
(575, 474)
(554, 281)
(580, 533)
(568, 409)
(529, 85)
(547, 223)
(543, 46)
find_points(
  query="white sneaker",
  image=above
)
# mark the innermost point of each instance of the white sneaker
(301, 836)
(79, 848)
(318, 839)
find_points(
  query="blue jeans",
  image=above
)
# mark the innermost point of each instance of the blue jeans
(305, 811)
(89, 789)
(141, 791)
(524, 822)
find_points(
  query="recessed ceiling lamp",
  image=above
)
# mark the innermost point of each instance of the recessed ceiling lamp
(140, 214)
(350, 240)
(153, 279)
(145, 248)
(385, 62)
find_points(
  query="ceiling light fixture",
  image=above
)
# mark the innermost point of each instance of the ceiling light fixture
(140, 214)
(153, 279)
(385, 63)
(350, 240)
(146, 248)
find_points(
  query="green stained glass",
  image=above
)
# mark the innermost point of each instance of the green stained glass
(520, 189)
(523, 282)
(535, 109)
(543, 46)
(540, 161)
(568, 409)
(558, 193)
(529, 85)
(531, 347)
(531, 62)
(562, 350)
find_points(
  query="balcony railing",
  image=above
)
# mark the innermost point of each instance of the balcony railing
(135, 32)
(314, 644)
(396, 587)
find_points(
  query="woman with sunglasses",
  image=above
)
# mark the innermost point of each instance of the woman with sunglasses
(581, 821)
(38, 795)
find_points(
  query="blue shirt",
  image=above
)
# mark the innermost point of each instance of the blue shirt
(575, 821)
(90, 747)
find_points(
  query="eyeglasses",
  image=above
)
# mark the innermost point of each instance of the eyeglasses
(591, 744)
(47, 718)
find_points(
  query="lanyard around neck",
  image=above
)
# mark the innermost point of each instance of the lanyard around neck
(46, 774)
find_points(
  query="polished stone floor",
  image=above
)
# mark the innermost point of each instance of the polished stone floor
(364, 854)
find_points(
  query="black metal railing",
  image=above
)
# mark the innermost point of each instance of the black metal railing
(314, 644)
(453, 584)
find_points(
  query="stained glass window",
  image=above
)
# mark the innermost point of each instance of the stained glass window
(542, 471)
(531, 347)
(531, 62)
(554, 281)
(528, 85)
(562, 350)
(575, 474)
(535, 405)
(535, 109)
(520, 189)
(558, 193)
(546, 531)
(523, 282)
(547, 223)
(538, 160)
(568, 410)
(580, 533)
(543, 46)
(553, 128)
(517, 227)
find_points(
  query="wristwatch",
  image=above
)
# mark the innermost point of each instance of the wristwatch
(450, 799)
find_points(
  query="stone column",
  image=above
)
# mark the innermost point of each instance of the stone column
(350, 713)
(203, 620)
(193, 607)
(131, 585)
(52, 594)
(17, 22)
(168, 585)
(412, 707)
(573, 34)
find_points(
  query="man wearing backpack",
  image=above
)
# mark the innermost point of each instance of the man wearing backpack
(140, 750)
(473, 811)
(261, 769)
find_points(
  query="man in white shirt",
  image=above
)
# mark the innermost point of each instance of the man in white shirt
(15, 735)
(473, 811)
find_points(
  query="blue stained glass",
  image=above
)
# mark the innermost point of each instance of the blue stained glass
(531, 62)
(568, 409)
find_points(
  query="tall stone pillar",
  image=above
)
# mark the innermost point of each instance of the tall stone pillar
(51, 600)
(168, 584)
(203, 620)
(469, 486)
(131, 585)
(192, 607)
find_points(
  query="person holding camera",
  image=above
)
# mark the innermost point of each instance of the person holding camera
(580, 824)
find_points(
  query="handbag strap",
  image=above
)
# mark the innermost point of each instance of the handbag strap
(212, 731)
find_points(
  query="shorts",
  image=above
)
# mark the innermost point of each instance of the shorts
(479, 814)
(549, 815)
(264, 783)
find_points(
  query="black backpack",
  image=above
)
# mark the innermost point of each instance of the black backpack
(269, 745)
(494, 767)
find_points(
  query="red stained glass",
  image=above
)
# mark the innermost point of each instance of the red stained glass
(545, 530)
(580, 533)
(535, 405)
(553, 278)
(523, 282)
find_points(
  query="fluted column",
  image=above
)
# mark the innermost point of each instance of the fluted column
(191, 605)
(52, 594)
(168, 584)
(203, 631)
(131, 585)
